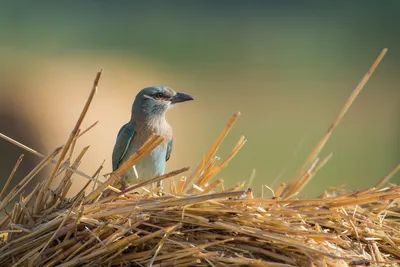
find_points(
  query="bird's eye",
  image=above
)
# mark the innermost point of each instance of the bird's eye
(158, 95)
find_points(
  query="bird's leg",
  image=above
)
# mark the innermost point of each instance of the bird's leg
(123, 184)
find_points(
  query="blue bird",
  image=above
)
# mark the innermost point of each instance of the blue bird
(147, 117)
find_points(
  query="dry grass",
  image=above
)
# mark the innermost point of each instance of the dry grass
(199, 223)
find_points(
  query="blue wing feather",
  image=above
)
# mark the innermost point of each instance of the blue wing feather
(169, 149)
(125, 136)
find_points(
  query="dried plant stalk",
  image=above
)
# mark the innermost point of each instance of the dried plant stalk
(293, 186)
(148, 146)
(71, 138)
(11, 175)
(212, 151)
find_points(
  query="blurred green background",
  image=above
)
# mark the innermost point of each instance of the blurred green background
(288, 66)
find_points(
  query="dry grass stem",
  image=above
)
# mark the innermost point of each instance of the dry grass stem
(293, 186)
(11, 175)
(388, 177)
(67, 146)
(212, 152)
(34, 152)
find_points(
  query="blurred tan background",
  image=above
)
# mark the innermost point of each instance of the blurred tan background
(288, 68)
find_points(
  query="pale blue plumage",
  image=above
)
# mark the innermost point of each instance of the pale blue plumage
(124, 138)
(147, 117)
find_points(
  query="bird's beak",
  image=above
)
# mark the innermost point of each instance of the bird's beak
(180, 97)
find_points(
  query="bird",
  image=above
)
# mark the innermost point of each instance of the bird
(148, 116)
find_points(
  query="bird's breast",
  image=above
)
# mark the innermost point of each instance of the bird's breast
(154, 163)
(160, 127)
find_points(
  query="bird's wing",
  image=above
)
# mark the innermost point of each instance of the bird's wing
(169, 149)
(124, 138)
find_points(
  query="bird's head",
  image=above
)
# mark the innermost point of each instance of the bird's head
(155, 101)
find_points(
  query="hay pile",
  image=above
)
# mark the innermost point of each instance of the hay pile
(198, 222)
